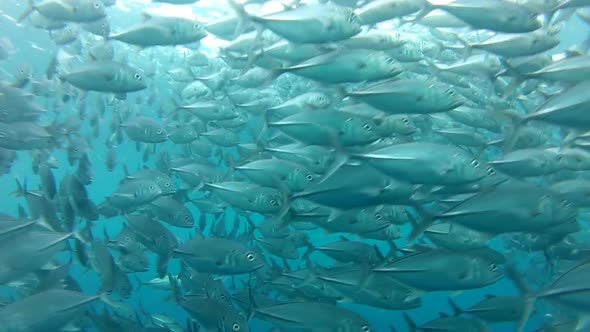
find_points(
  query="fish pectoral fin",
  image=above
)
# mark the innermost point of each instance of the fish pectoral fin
(393, 269)
(121, 96)
(334, 214)
(155, 29)
(282, 318)
(583, 323)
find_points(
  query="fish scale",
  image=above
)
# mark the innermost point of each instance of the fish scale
(407, 156)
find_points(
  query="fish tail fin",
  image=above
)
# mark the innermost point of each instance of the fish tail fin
(274, 73)
(253, 306)
(467, 48)
(526, 313)
(81, 253)
(411, 324)
(427, 7)
(548, 16)
(341, 158)
(569, 139)
(162, 264)
(433, 65)
(513, 274)
(176, 291)
(21, 188)
(418, 228)
(22, 214)
(139, 285)
(252, 227)
(456, 309)
(515, 82)
(30, 8)
(310, 249)
(231, 166)
(192, 325)
(512, 139)
(61, 239)
(243, 15)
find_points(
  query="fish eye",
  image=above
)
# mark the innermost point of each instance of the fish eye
(566, 204)
(475, 163)
(152, 187)
(187, 218)
(494, 267)
(96, 5)
(367, 127)
(196, 26)
(491, 171)
(137, 76)
(451, 92)
(273, 202)
(406, 121)
(236, 327)
(350, 18)
(127, 238)
(389, 60)
(365, 328)
(378, 216)
(223, 297)
(250, 257)
(309, 177)
(159, 131)
(167, 184)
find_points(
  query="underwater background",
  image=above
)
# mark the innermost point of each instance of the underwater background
(34, 49)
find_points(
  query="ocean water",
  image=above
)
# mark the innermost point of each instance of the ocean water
(35, 48)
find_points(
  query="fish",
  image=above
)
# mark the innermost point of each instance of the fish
(439, 269)
(448, 323)
(418, 97)
(486, 14)
(313, 315)
(383, 10)
(106, 76)
(421, 162)
(347, 66)
(66, 10)
(518, 45)
(538, 211)
(495, 308)
(279, 164)
(34, 312)
(248, 196)
(171, 211)
(161, 30)
(568, 290)
(308, 24)
(220, 256)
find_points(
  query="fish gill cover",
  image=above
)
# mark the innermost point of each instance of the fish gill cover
(322, 165)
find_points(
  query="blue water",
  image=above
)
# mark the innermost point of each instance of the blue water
(36, 48)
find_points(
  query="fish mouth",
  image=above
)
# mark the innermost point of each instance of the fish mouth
(258, 267)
